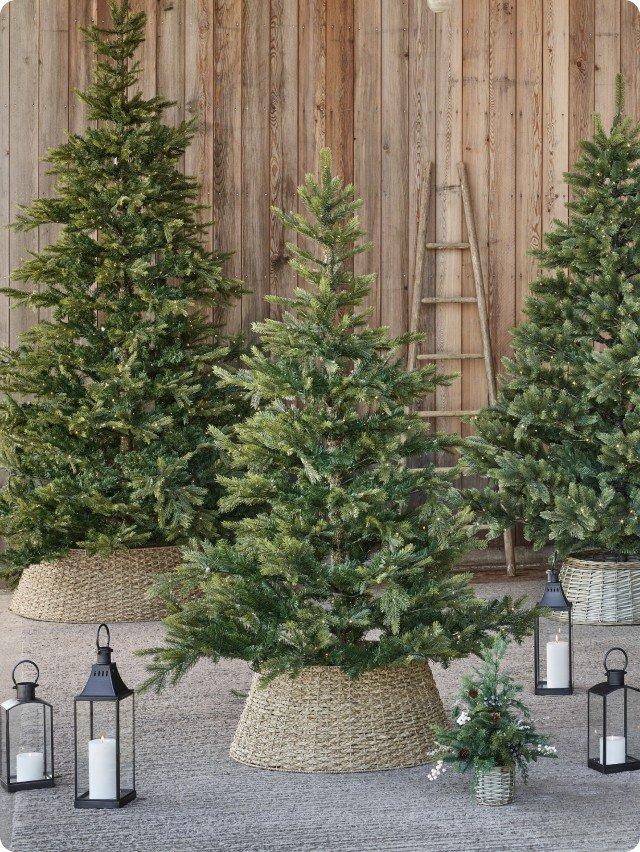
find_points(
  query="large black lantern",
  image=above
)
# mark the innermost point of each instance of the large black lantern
(104, 725)
(613, 719)
(26, 737)
(552, 641)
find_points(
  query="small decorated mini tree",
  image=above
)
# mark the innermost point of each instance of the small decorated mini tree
(344, 557)
(492, 732)
(105, 407)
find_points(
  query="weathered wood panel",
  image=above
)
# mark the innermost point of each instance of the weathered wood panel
(422, 153)
(476, 150)
(394, 263)
(368, 138)
(283, 137)
(199, 100)
(227, 141)
(24, 171)
(53, 98)
(606, 56)
(507, 85)
(448, 208)
(255, 161)
(5, 206)
(529, 128)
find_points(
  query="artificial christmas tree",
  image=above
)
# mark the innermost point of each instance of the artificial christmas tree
(105, 407)
(563, 440)
(341, 567)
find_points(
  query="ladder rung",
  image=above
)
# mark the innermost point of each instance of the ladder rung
(440, 246)
(449, 356)
(449, 300)
(456, 413)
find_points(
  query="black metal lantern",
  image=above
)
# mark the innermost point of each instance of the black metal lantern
(552, 641)
(104, 726)
(613, 719)
(26, 737)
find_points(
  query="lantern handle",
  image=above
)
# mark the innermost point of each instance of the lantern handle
(23, 662)
(610, 651)
(98, 645)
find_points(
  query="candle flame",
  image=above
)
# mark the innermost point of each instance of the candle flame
(101, 738)
(557, 637)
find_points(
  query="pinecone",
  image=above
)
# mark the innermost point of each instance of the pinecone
(473, 693)
(495, 717)
(464, 754)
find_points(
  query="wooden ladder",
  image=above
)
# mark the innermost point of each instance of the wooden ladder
(413, 356)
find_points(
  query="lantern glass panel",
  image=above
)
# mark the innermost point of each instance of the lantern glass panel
(30, 742)
(95, 721)
(615, 730)
(553, 650)
(596, 724)
(83, 736)
(633, 724)
(127, 762)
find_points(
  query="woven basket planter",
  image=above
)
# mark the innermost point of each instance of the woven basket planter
(602, 590)
(495, 787)
(322, 721)
(84, 589)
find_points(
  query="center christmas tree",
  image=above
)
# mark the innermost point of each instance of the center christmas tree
(344, 554)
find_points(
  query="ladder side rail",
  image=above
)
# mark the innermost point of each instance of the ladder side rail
(509, 545)
(479, 283)
(420, 252)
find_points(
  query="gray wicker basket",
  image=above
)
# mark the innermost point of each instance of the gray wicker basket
(495, 787)
(323, 721)
(602, 589)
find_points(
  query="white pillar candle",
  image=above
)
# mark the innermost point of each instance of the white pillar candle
(616, 750)
(29, 766)
(102, 768)
(558, 664)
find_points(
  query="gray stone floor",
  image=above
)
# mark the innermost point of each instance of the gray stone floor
(193, 797)
(10, 647)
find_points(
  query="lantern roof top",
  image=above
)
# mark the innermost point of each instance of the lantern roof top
(554, 596)
(105, 682)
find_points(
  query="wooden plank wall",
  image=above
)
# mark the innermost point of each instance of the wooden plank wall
(507, 85)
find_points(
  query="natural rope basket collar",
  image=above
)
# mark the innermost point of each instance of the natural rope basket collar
(84, 589)
(323, 721)
(602, 590)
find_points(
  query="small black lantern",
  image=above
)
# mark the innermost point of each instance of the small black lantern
(104, 726)
(613, 719)
(26, 737)
(553, 667)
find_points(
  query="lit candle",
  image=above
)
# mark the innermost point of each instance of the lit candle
(558, 664)
(29, 766)
(616, 750)
(102, 768)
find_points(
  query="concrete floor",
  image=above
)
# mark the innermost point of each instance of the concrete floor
(10, 642)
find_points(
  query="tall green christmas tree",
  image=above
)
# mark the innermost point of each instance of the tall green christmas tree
(105, 407)
(563, 440)
(339, 537)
